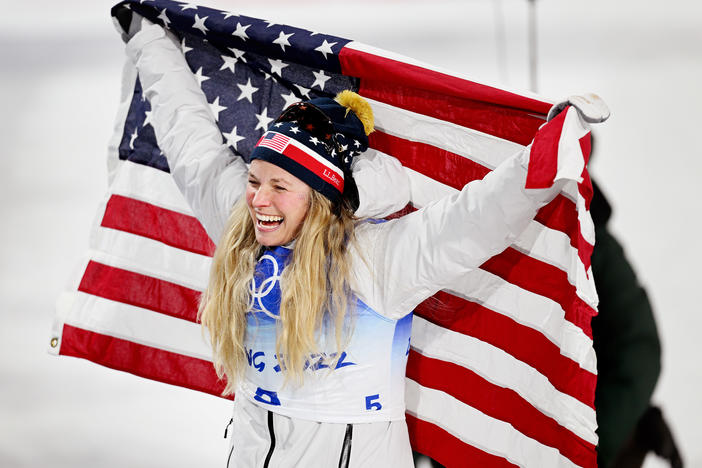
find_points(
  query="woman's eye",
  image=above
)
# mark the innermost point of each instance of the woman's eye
(280, 188)
(253, 182)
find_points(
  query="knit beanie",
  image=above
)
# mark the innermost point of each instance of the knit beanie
(316, 141)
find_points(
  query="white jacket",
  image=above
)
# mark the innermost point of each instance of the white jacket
(397, 264)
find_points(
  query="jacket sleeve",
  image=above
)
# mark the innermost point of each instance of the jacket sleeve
(407, 260)
(411, 258)
(383, 185)
(208, 174)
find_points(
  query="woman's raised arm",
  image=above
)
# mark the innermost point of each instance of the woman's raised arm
(208, 174)
(417, 255)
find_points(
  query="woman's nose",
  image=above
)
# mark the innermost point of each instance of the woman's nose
(262, 197)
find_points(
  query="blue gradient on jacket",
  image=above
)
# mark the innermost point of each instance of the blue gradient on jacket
(367, 379)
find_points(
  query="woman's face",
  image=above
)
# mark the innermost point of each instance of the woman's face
(278, 203)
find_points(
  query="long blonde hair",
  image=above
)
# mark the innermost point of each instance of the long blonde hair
(314, 289)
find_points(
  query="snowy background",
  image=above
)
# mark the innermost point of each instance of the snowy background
(60, 65)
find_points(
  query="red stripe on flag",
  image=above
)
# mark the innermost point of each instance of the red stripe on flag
(500, 403)
(167, 226)
(322, 171)
(561, 214)
(140, 290)
(435, 442)
(515, 125)
(455, 171)
(543, 279)
(543, 157)
(370, 66)
(141, 360)
(520, 341)
(441, 165)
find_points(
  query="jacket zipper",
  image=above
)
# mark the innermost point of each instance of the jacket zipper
(345, 457)
(231, 450)
(272, 434)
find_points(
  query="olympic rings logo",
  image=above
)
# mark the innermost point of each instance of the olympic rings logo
(266, 287)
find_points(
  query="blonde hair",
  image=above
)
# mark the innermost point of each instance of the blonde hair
(314, 289)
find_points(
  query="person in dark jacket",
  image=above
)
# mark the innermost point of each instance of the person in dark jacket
(628, 356)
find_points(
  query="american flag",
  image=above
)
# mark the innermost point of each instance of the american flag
(274, 140)
(501, 371)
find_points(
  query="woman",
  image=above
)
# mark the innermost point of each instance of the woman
(309, 310)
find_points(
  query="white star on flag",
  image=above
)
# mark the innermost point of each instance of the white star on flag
(325, 48)
(187, 6)
(314, 141)
(304, 91)
(233, 138)
(282, 40)
(164, 18)
(238, 54)
(270, 23)
(200, 24)
(247, 91)
(241, 31)
(277, 66)
(228, 15)
(263, 119)
(319, 79)
(147, 118)
(200, 77)
(229, 63)
(185, 48)
(294, 130)
(133, 137)
(289, 99)
(216, 108)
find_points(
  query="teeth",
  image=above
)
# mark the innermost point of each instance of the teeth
(267, 218)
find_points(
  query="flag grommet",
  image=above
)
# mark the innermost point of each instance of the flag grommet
(54, 342)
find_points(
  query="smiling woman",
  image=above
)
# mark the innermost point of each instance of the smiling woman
(309, 305)
(278, 202)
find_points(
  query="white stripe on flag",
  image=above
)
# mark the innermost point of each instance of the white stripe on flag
(477, 146)
(150, 185)
(139, 325)
(479, 430)
(500, 368)
(526, 308)
(149, 257)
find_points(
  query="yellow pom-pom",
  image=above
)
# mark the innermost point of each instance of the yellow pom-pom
(359, 106)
